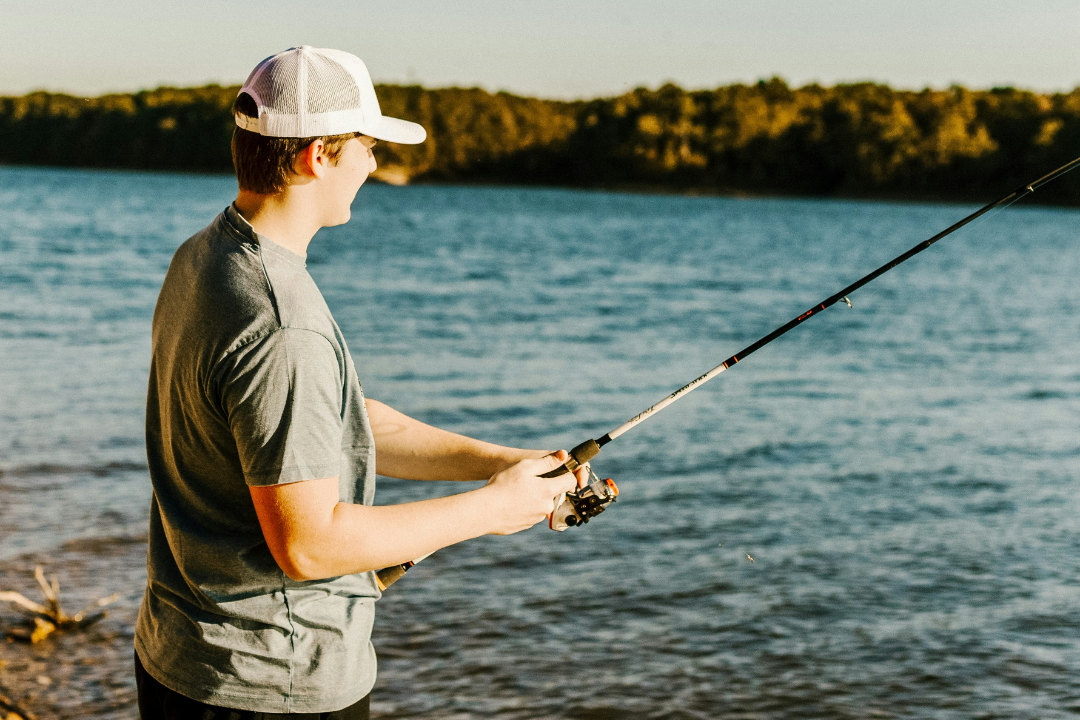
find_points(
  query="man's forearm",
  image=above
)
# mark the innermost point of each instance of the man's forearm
(409, 449)
(359, 538)
(312, 535)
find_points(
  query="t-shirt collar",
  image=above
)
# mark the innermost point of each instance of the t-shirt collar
(244, 228)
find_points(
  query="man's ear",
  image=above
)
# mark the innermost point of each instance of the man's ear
(312, 160)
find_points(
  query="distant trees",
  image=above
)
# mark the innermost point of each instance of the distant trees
(861, 139)
(476, 135)
(851, 140)
(167, 129)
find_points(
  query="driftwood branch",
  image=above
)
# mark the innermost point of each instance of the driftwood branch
(19, 599)
(51, 616)
(83, 616)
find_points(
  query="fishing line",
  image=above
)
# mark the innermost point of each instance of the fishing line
(578, 507)
(589, 449)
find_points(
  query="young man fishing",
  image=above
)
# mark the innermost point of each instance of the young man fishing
(262, 447)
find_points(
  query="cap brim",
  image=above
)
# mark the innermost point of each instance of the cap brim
(396, 131)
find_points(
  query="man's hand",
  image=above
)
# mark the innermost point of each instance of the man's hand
(519, 498)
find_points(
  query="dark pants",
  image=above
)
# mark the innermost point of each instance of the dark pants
(157, 702)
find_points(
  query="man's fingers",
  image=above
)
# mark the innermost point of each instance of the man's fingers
(558, 484)
(539, 466)
(562, 484)
(567, 482)
(559, 456)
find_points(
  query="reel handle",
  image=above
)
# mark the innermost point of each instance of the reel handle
(580, 455)
(390, 575)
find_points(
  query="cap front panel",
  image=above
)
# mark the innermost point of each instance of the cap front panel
(356, 67)
(330, 87)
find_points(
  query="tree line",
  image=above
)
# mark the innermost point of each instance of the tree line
(853, 140)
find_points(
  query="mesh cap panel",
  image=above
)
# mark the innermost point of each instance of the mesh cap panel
(276, 86)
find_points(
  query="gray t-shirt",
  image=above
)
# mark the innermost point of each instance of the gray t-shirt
(251, 384)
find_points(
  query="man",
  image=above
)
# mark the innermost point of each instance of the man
(262, 448)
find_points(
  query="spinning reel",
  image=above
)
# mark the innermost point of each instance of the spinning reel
(578, 507)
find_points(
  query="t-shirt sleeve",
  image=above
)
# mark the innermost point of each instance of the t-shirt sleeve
(282, 398)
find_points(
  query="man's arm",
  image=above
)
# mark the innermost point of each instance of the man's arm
(313, 536)
(408, 449)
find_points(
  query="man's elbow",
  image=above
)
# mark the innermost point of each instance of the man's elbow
(299, 574)
(300, 564)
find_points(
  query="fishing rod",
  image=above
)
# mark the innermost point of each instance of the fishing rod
(576, 508)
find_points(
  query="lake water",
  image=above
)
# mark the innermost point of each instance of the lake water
(904, 473)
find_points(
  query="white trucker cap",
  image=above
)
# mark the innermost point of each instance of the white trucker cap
(307, 92)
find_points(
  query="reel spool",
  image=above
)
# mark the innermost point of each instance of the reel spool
(578, 507)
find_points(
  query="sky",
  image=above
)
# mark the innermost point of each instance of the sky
(547, 48)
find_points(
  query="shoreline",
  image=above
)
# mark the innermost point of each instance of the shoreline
(858, 140)
(398, 179)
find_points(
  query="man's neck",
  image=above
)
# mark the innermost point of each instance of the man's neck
(283, 218)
